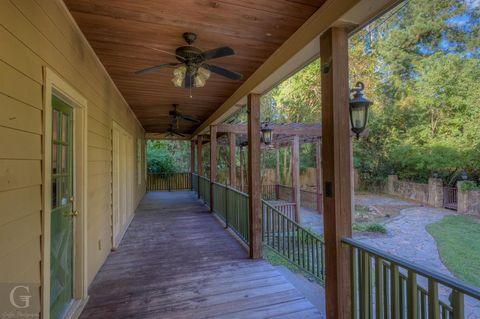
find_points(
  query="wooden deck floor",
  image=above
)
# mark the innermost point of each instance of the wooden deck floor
(177, 261)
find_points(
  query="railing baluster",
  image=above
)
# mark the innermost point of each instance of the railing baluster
(354, 284)
(298, 245)
(458, 305)
(379, 283)
(364, 286)
(283, 235)
(395, 288)
(412, 295)
(423, 305)
(288, 239)
(386, 275)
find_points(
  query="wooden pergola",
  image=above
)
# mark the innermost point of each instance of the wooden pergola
(284, 135)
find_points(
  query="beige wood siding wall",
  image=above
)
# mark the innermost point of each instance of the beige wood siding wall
(33, 34)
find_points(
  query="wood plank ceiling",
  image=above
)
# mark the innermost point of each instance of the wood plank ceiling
(123, 33)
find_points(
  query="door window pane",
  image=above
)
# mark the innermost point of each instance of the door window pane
(65, 191)
(55, 128)
(64, 128)
(64, 159)
(54, 192)
(54, 159)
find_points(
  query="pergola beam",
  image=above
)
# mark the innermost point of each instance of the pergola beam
(283, 129)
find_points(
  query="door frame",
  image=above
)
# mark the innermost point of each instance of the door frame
(119, 230)
(55, 85)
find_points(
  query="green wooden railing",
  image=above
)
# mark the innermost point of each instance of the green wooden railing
(204, 189)
(279, 232)
(195, 182)
(386, 286)
(292, 241)
(231, 206)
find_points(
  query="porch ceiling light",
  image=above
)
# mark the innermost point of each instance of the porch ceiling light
(200, 78)
(179, 76)
(359, 109)
(267, 133)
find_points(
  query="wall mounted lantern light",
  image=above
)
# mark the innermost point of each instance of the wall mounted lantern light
(267, 132)
(358, 109)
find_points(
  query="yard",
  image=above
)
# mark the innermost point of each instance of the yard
(458, 242)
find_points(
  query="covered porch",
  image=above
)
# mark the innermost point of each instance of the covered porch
(77, 108)
(177, 261)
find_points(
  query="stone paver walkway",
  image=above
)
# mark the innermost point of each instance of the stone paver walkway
(406, 237)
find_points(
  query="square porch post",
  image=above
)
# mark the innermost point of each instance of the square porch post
(254, 182)
(213, 162)
(336, 168)
(200, 155)
(296, 176)
(192, 156)
(318, 176)
(277, 173)
(232, 151)
(192, 162)
(199, 161)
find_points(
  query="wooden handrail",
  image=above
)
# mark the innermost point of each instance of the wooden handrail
(387, 286)
(421, 270)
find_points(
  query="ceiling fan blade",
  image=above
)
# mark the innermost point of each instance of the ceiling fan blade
(189, 118)
(217, 53)
(156, 67)
(178, 134)
(163, 51)
(223, 72)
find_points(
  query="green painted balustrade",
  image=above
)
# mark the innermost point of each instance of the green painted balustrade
(389, 287)
(292, 241)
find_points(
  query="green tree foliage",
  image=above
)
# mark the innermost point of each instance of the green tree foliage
(423, 70)
(168, 157)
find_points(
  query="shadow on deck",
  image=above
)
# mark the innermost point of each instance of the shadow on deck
(177, 261)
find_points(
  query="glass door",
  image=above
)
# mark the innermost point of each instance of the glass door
(61, 260)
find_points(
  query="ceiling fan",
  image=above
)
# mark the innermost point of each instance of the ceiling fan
(192, 70)
(175, 115)
(172, 131)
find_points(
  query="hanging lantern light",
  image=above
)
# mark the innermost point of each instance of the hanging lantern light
(267, 132)
(359, 109)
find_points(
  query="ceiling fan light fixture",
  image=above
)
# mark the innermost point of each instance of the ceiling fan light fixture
(178, 82)
(201, 77)
(204, 73)
(199, 82)
(179, 76)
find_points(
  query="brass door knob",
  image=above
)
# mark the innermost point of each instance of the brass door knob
(74, 213)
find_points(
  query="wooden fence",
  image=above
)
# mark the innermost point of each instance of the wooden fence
(168, 182)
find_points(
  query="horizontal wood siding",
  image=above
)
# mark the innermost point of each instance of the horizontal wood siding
(34, 34)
